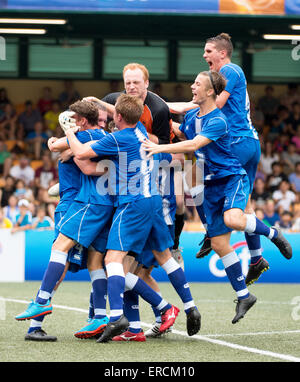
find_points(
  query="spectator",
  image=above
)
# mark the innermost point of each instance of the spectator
(293, 121)
(11, 210)
(4, 221)
(3, 99)
(51, 118)
(268, 157)
(271, 217)
(276, 177)
(28, 118)
(259, 194)
(23, 218)
(46, 173)
(268, 104)
(69, 95)
(286, 221)
(281, 143)
(284, 197)
(157, 89)
(291, 96)
(294, 178)
(5, 159)
(290, 158)
(37, 140)
(7, 190)
(296, 139)
(278, 122)
(23, 171)
(23, 192)
(8, 123)
(257, 117)
(45, 102)
(41, 221)
(259, 212)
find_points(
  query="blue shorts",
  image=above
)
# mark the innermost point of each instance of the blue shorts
(248, 151)
(77, 256)
(221, 195)
(88, 224)
(146, 258)
(137, 223)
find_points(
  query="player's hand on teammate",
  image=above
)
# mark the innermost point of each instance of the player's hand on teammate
(151, 147)
(91, 99)
(50, 142)
(67, 121)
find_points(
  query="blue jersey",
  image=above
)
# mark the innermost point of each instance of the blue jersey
(237, 107)
(130, 178)
(165, 184)
(217, 157)
(93, 188)
(69, 183)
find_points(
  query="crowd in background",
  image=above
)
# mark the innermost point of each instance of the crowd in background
(28, 169)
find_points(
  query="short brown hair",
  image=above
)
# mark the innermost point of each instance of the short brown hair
(131, 108)
(87, 110)
(216, 81)
(222, 42)
(133, 66)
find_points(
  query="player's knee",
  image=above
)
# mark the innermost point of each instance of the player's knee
(233, 220)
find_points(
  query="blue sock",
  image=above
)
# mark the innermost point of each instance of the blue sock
(99, 283)
(52, 275)
(91, 306)
(131, 311)
(178, 280)
(255, 225)
(156, 312)
(235, 275)
(115, 289)
(139, 286)
(253, 242)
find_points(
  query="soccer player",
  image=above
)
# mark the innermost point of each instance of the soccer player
(145, 262)
(234, 103)
(155, 117)
(138, 217)
(227, 186)
(86, 222)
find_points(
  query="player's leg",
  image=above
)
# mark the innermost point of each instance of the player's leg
(97, 273)
(115, 291)
(233, 269)
(179, 216)
(58, 258)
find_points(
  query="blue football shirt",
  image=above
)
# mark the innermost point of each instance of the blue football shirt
(218, 159)
(93, 188)
(130, 172)
(237, 107)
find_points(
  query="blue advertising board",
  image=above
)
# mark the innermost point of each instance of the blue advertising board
(208, 269)
(169, 6)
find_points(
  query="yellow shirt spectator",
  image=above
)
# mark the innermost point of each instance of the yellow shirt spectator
(6, 223)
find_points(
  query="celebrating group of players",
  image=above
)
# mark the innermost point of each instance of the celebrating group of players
(117, 217)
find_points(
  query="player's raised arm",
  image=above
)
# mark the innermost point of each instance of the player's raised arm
(109, 107)
(174, 148)
(181, 107)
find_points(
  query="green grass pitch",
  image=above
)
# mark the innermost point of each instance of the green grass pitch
(270, 332)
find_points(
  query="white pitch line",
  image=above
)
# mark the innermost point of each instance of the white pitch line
(285, 357)
(253, 334)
